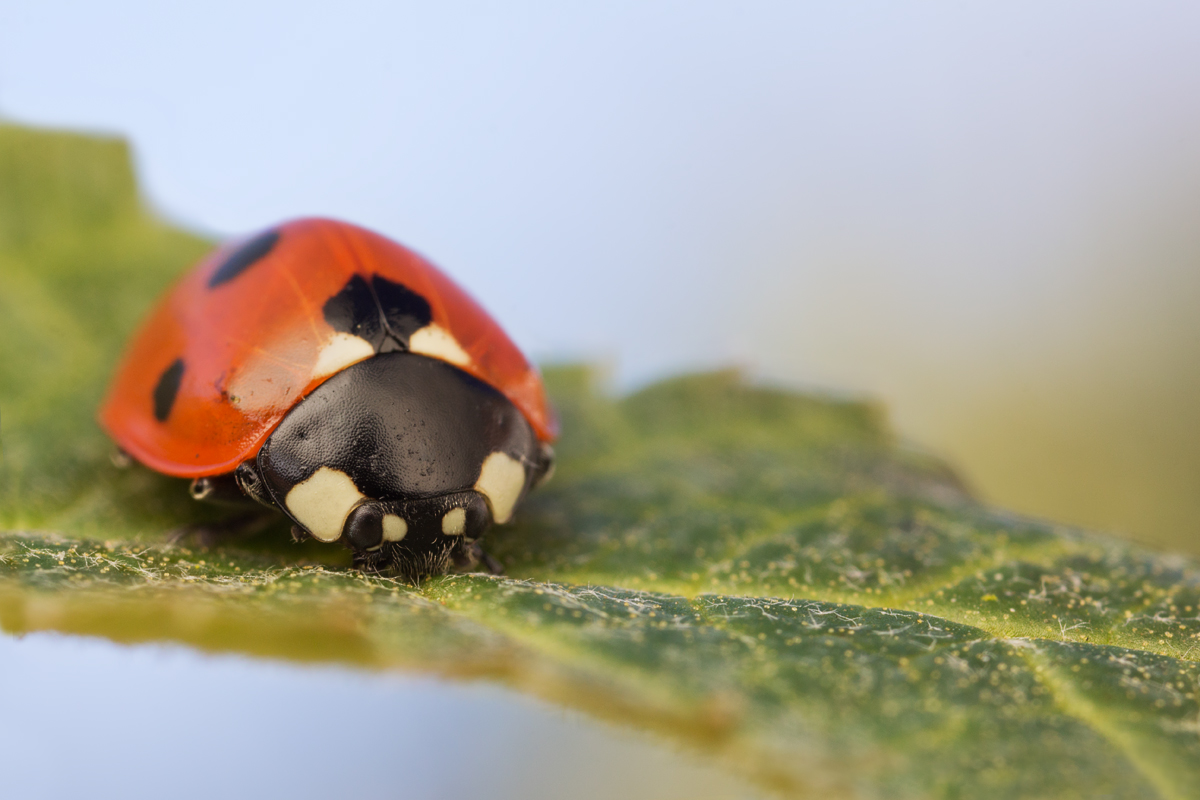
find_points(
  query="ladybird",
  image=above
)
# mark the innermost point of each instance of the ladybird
(328, 372)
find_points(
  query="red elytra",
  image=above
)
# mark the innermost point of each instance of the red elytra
(250, 345)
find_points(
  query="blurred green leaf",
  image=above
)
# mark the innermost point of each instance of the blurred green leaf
(765, 576)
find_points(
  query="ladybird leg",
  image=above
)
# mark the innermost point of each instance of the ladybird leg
(252, 485)
(233, 488)
(237, 488)
(476, 556)
(217, 489)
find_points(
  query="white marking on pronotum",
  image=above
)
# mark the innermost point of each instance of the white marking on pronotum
(394, 528)
(323, 502)
(501, 480)
(339, 352)
(455, 522)
(437, 342)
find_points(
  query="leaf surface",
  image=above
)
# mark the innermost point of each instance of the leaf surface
(766, 576)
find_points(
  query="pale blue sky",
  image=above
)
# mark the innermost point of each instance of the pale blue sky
(619, 179)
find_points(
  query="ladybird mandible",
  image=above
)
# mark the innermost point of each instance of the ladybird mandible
(328, 372)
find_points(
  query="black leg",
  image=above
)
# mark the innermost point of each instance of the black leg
(494, 567)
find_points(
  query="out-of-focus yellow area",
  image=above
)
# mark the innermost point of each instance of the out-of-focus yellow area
(1099, 450)
(1093, 417)
(1070, 392)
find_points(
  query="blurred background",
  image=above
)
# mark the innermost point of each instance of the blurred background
(986, 216)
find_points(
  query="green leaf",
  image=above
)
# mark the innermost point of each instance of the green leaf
(764, 576)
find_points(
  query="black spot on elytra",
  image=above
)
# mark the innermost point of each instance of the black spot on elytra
(354, 310)
(167, 388)
(383, 312)
(406, 311)
(243, 258)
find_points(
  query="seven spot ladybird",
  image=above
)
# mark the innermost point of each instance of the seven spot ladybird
(326, 371)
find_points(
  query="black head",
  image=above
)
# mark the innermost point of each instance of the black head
(402, 457)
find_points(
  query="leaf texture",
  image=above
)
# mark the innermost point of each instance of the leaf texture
(765, 576)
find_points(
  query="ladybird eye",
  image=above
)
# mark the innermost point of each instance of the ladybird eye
(371, 524)
(364, 527)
